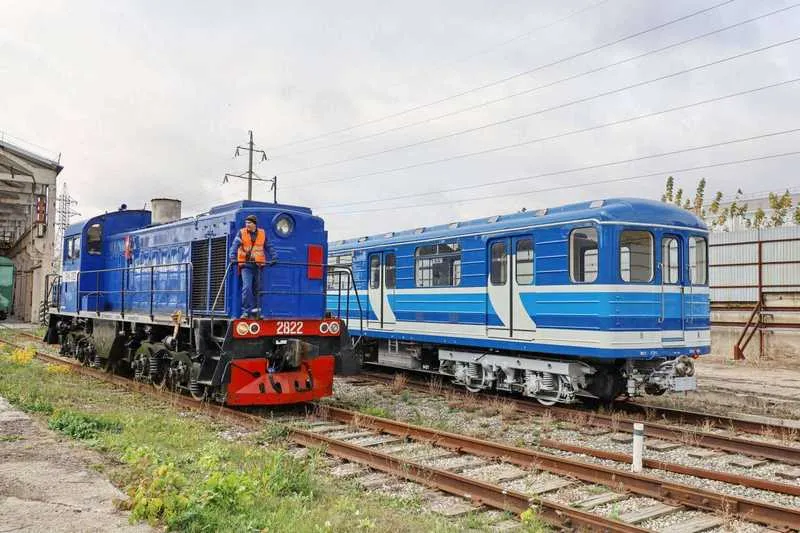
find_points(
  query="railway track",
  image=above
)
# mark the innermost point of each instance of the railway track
(378, 452)
(769, 450)
(756, 425)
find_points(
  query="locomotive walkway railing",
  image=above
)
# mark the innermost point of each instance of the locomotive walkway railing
(124, 279)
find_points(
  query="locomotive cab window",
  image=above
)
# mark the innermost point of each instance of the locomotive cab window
(583, 247)
(438, 265)
(670, 266)
(524, 265)
(390, 266)
(636, 256)
(374, 272)
(698, 260)
(94, 239)
(499, 269)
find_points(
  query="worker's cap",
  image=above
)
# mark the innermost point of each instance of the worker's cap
(251, 218)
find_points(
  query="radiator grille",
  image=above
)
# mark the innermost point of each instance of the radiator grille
(200, 275)
(219, 253)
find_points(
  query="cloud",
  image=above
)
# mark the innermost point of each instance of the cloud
(148, 99)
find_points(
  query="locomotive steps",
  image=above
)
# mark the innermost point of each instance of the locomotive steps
(660, 497)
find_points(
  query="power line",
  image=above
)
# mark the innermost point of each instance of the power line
(576, 185)
(556, 136)
(509, 78)
(536, 88)
(546, 109)
(517, 37)
(566, 171)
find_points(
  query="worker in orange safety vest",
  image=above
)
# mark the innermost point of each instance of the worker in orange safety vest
(249, 250)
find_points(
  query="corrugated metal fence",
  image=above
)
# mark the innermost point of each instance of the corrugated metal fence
(755, 290)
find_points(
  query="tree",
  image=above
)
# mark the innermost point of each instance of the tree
(679, 197)
(759, 219)
(797, 215)
(780, 206)
(667, 196)
(699, 198)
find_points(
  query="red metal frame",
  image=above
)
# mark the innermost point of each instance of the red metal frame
(291, 327)
(252, 384)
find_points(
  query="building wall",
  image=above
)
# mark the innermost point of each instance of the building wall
(748, 266)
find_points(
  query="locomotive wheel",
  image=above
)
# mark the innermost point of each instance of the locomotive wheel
(546, 401)
(161, 379)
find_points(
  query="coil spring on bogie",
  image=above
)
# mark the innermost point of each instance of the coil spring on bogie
(474, 371)
(194, 387)
(155, 363)
(548, 381)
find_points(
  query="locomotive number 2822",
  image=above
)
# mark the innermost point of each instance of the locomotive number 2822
(289, 327)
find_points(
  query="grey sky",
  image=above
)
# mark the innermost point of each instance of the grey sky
(146, 99)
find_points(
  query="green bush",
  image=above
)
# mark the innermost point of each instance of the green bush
(81, 426)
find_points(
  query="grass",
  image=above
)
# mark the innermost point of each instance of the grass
(180, 474)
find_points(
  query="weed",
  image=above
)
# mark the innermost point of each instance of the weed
(435, 386)
(532, 521)
(399, 383)
(81, 426)
(546, 422)
(57, 368)
(789, 435)
(22, 356)
(405, 396)
(10, 438)
(374, 410)
(615, 512)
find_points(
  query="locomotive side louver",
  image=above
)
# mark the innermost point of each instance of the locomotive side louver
(199, 275)
(219, 248)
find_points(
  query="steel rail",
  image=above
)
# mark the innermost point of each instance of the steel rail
(644, 485)
(655, 464)
(667, 414)
(697, 417)
(478, 491)
(768, 450)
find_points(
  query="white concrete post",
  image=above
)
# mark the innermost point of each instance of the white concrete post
(638, 446)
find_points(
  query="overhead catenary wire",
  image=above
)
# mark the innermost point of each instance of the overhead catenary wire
(575, 185)
(555, 136)
(531, 90)
(544, 110)
(596, 166)
(528, 33)
(507, 78)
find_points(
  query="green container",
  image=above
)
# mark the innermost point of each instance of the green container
(6, 286)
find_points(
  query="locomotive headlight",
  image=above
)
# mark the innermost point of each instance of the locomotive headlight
(284, 225)
(242, 328)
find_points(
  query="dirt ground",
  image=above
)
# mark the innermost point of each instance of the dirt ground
(47, 485)
(741, 387)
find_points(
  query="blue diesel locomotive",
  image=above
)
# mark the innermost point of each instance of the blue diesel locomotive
(155, 295)
(595, 299)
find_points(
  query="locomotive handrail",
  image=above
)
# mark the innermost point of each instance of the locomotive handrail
(340, 271)
(97, 292)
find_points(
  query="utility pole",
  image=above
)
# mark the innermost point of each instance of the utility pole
(64, 212)
(250, 149)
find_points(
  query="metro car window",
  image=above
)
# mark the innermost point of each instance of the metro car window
(583, 247)
(499, 270)
(524, 266)
(374, 272)
(636, 256)
(391, 271)
(670, 268)
(94, 239)
(698, 260)
(438, 265)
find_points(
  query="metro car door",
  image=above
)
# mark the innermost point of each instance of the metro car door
(672, 312)
(499, 289)
(381, 286)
